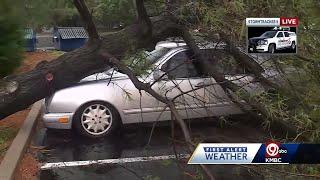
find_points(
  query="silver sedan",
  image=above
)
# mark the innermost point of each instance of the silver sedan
(101, 103)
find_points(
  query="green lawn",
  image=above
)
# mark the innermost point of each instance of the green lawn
(6, 134)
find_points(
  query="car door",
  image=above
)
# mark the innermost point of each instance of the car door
(287, 41)
(134, 105)
(183, 83)
(218, 102)
(280, 40)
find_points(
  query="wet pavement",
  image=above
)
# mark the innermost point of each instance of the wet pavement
(132, 141)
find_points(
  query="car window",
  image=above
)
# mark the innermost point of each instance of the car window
(224, 62)
(280, 34)
(286, 34)
(181, 65)
(292, 34)
(269, 34)
(154, 55)
(229, 66)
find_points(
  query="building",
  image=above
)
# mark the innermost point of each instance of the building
(30, 40)
(69, 38)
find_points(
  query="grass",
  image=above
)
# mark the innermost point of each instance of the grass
(56, 53)
(6, 134)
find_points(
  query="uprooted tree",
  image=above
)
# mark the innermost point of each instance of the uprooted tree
(101, 52)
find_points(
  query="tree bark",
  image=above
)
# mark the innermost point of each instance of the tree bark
(17, 92)
(71, 67)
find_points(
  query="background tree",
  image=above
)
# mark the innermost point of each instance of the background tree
(114, 11)
(11, 41)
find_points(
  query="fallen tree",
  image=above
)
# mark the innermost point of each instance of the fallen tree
(19, 92)
(100, 52)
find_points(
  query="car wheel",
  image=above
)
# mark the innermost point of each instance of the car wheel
(271, 48)
(293, 45)
(97, 119)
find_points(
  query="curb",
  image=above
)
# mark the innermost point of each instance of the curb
(16, 150)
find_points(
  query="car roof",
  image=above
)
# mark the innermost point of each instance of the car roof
(182, 44)
(170, 44)
(174, 47)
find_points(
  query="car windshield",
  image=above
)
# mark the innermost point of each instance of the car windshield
(269, 34)
(154, 55)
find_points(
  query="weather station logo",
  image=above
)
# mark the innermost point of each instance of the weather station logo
(274, 152)
(270, 152)
(224, 153)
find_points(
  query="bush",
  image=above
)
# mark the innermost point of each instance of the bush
(11, 45)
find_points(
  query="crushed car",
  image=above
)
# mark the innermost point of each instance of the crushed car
(101, 103)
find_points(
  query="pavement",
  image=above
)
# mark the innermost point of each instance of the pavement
(45, 40)
(70, 151)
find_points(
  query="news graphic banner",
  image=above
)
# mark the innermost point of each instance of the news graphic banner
(255, 153)
(272, 35)
(272, 22)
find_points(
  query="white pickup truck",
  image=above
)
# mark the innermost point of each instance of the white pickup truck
(270, 41)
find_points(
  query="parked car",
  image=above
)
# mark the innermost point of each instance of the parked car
(100, 103)
(270, 41)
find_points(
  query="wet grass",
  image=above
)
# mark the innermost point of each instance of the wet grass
(6, 135)
(56, 53)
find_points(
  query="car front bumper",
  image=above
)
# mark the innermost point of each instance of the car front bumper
(58, 120)
(262, 48)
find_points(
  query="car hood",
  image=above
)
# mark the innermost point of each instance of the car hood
(256, 39)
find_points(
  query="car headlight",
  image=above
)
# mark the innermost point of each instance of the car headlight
(262, 42)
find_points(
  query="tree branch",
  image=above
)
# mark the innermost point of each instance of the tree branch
(143, 18)
(142, 12)
(87, 19)
(146, 87)
(229, 86)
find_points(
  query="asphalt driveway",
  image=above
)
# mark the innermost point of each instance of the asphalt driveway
(65, 151)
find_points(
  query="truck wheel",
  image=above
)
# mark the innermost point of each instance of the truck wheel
(293, 45)
(271, 48)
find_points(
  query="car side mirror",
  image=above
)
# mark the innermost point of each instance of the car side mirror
(158, 74)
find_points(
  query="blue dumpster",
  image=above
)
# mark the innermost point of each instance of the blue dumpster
(69, 38)
(30, 40)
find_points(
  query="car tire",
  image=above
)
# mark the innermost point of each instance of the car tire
(96, 119)
(293, 45)
(271, 48)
